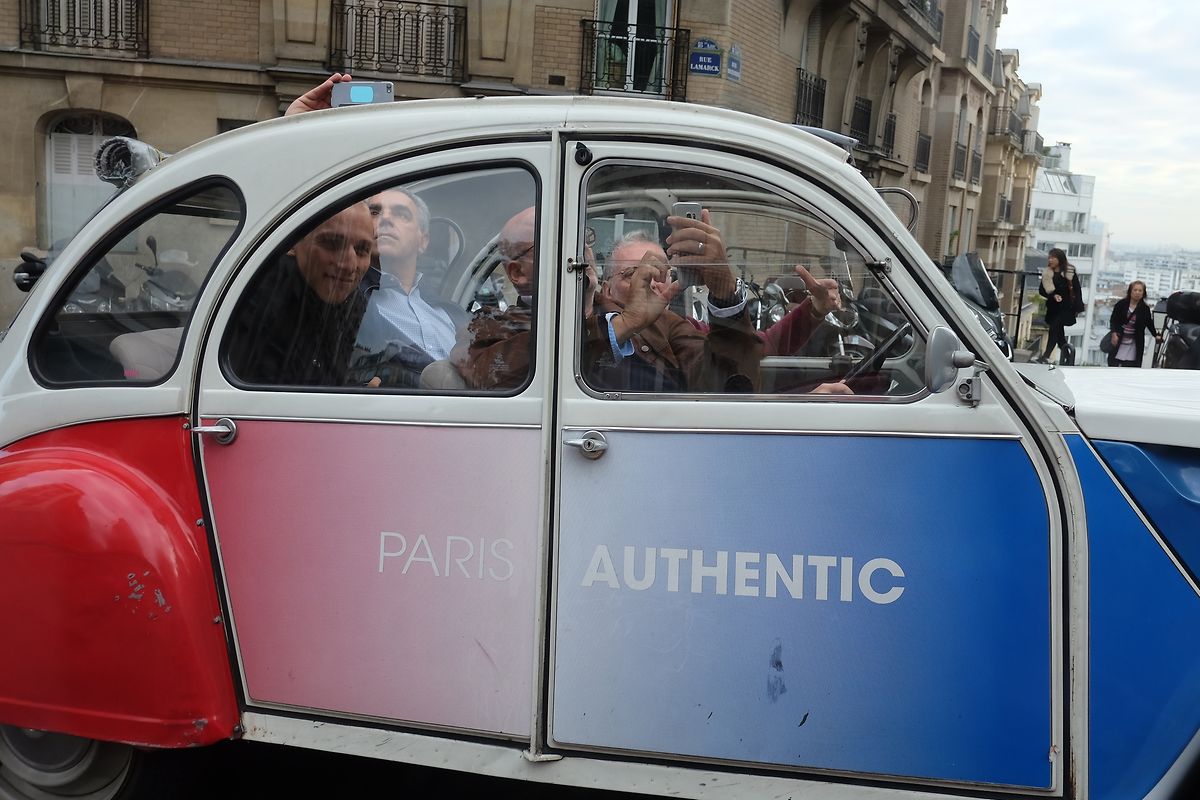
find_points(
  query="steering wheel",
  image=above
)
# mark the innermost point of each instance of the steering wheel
(873, 362)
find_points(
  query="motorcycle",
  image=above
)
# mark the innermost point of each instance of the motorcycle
(1180, 345)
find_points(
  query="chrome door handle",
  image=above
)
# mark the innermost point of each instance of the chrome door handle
(224, 432)
(592, 445)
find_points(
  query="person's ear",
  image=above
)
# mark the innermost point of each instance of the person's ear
(513, 270)
(424, 243)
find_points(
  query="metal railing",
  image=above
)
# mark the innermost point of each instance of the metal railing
(1004, 209)
(1032, 143)
(989, 64)
(960, 161)
(111, 25)
(424, 40)
(889, 135)
(810, 99)
(932, 15)
(976, 167)
(860, 120)
(924, 148)
(1006, 122)
(638, 59)
(972, 45)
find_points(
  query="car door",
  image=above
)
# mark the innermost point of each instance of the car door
(753, 567)
(378, 521)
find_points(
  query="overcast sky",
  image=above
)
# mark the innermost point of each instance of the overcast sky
(1121, 82)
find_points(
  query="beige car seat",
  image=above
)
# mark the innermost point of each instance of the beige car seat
(146, 355)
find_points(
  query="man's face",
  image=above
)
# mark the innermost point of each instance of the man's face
(335, 256)
(624, 263)
(397, 227)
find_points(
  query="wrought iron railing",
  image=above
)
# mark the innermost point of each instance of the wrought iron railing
(929, 11)
(1004, 209)
(976, 167)
(889, 135)
(425, 40)
(989, 63)
(960, 161)
(638, 59)
(860, 120)
(810, 99)
(109, 25)
(924, 149)
(1032, 143)
(972, 45)
(1006, 122)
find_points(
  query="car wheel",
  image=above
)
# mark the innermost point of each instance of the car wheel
(39, 765)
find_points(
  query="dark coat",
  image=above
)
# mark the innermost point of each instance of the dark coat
(1142, 319)
(283, 334)
(1063, 312)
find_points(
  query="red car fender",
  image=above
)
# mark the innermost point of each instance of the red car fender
(109, 619)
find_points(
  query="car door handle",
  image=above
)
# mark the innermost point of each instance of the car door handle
(592, 445)
(224, 432)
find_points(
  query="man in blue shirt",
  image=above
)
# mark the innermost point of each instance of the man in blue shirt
(404, 329)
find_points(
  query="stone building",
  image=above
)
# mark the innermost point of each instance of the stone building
(914, 82)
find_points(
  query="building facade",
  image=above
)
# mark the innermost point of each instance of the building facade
(914, 81)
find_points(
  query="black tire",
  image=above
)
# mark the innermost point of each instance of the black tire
(39, 765)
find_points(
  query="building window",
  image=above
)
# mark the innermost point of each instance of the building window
(1081, 250)
(86, 25)
(425, 40)
(73, 192)
(1043, 217)
(629, 48)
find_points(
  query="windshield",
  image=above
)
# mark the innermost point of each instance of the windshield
(971, 280)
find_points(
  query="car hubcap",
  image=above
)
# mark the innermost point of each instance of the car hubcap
(38, 764)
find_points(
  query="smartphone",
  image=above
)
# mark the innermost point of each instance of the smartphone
(360, 93)
(689, 210)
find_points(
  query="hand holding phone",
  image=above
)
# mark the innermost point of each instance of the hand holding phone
(360, 93)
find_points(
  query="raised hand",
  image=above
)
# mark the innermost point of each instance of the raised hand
(696, 247)
(318, 97)
(648, 298)
(825, 293)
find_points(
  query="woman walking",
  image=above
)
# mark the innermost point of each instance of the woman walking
(1064, 299)
(1130, 318)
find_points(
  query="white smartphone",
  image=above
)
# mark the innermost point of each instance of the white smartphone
(360, 93)
(689, 210)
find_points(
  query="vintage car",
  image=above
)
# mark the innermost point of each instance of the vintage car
(889, 564)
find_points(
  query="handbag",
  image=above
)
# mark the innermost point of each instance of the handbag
(1106, 343)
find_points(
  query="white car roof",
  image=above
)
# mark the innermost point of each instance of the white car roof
(1149, 406)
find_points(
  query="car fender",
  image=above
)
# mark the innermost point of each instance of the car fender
(109, 614)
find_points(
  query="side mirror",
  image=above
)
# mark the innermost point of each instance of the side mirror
(944, 357)
(32, 267)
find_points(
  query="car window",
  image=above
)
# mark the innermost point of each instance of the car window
(424, 284)
(123, 316)
(710, 283)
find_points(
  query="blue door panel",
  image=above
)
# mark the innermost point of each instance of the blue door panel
(918, 644)
(1144, 673)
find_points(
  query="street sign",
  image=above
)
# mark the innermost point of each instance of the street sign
(705, 58)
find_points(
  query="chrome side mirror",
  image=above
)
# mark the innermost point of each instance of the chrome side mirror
(944, 357)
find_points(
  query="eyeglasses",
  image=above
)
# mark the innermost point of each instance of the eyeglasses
(523, 253)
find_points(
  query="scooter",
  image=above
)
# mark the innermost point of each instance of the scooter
(169, 287)
(1180, 346)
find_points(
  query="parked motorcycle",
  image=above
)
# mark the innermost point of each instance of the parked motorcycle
(1180, 346)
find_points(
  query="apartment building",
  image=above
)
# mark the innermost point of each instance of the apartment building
(914, 81)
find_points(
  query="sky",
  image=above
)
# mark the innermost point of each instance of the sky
(1121, 83)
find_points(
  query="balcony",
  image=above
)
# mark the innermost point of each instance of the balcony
(420, 40)
(1004, 209)
(976, 167)
(810, 99)
(1032, 144)
(927, 11)
(960, 162)
(924, 148)
(889, 136)
(989, 62)
(972, 45)
(634, 59)
(860, 121)
(108, 26)
(1006, 122)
